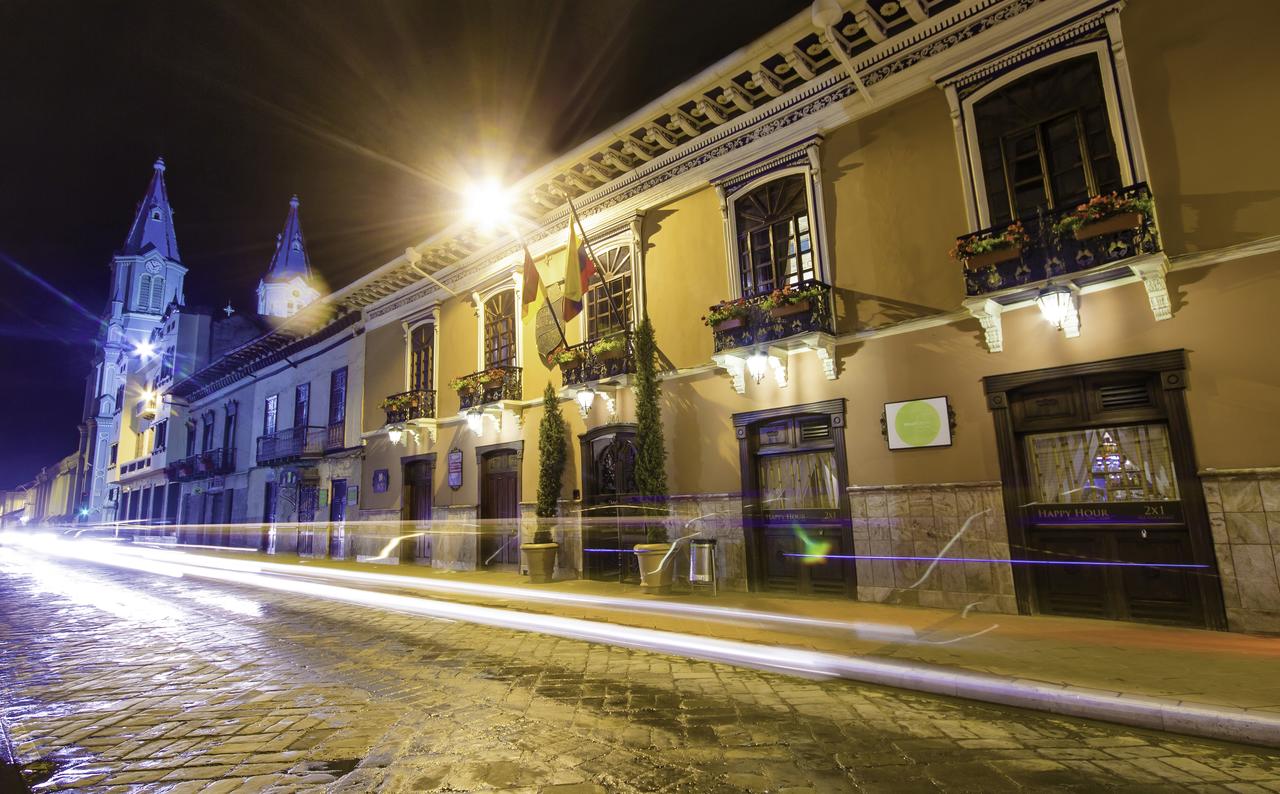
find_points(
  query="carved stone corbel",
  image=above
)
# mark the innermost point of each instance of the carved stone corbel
(987, 312)
(1152, 272)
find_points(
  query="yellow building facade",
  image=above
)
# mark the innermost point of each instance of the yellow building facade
(1078, 408)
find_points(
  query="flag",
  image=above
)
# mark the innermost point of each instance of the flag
(578, 270)
(532, 284)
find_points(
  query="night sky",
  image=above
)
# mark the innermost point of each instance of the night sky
(375, 113)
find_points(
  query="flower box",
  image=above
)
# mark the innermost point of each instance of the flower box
(731, 323)
(612, 355)
(993, 257)
(787, 309)
(1116, 223)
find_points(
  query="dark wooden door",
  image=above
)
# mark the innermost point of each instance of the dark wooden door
(1102, 497)
(499, 545)
(794, 507)
(417, 511)
(337, 519)
(612, 524)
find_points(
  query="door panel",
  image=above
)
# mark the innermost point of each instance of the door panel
(498, 544)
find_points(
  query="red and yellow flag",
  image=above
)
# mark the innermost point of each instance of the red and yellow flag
(532, 284)
(578, 270)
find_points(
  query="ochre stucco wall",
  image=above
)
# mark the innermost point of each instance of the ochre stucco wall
(894, 206)
(384, 354)
(1202, 78)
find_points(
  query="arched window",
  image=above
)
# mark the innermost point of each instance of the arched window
(1045, 141)
(157, 294)
(144, 292)
(775, 241)
(420, 355)
(609, 304)
(500, 330)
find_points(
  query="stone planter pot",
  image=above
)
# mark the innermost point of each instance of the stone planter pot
(1116, 223)
(655, 578)
(731, 323)
(788, 309)
(542, 560)
(988, 258)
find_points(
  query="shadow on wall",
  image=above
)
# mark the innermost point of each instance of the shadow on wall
(1210, 220)
(862, 311)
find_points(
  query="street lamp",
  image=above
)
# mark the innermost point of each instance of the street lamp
(488, 204)
(585, 398)
(144, 349)
(1058, 304)
(394, 434)
(758, 365)
(475, 421)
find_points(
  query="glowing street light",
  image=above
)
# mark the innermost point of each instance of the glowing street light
(488, 204)
(394, 434)
(475, 422)
(144, 350)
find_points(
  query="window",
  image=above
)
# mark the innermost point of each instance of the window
(302, 405)
(338, 396)
(1045, 141)
(609, 303)
(114, 455)
(206, 430)
(1114, 464)
(228, 430)
(500, 330)
(166, 364)
(191, 437)
(157, 294)
(775, 242)
(144, 292)
(161, 432)
(119, 397)
(269, 415)
(421, 341)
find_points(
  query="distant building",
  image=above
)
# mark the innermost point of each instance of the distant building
(289, 284)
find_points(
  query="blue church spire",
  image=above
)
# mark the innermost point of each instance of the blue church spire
(290, 259)
(153, 224)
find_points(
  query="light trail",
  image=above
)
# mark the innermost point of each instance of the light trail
(1104, 563)
(1089, 704)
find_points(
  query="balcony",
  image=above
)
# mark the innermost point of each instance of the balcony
(409, 405)
(292, 444)
(597, 359)
(1095, 251)
(488, 386)
(757, 334)
(204, 464)
(763, 319)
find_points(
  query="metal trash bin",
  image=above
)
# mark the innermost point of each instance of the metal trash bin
(702, 564)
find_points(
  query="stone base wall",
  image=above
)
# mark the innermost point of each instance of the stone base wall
(717, 516)
(919, 521)
(1244, 516)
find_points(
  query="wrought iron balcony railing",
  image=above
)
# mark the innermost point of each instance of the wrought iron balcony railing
(335, 436)
(490, 386)
(409, 405)
(203, 464)
(598, 359)
(766, 317)
(291, 444)
(1051, 250)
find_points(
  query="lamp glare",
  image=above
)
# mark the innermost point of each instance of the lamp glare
(488, 204)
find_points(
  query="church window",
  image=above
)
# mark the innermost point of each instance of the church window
(144, 292)
(157, 293)
(500, 330)
(775, 241)
(155, 213)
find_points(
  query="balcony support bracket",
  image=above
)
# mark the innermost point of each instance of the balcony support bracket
(987, 312)
(1152, 271)
(736, 366)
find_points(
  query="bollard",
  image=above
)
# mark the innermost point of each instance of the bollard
(702, 564)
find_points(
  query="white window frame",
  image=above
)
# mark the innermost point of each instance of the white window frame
(1117, 92)
(480, 298)
(432, 318)
(626, 238)
(811, 169)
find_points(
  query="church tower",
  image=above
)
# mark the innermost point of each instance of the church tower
(146, 277)
(289, 284)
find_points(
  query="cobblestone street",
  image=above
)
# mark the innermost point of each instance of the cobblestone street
(124, 681)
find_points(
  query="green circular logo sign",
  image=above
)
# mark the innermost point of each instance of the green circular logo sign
(917, 423)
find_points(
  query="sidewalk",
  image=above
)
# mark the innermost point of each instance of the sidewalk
(1200, 682)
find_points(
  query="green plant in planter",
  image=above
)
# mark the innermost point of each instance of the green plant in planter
(565, 356)
(465, 383)
(651, 452)
(726, 310)
(610, 344)
(551, 462)
(1011, 236)
(789, 295)
(1102, 207)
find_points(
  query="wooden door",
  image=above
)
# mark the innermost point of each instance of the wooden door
(499, 544)
(417, 511)
(612, 525)
(1101, 492)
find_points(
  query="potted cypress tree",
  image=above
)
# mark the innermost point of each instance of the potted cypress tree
(656, 569)
(541, 553)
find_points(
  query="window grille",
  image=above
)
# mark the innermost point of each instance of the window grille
(775, 241)
(500, 330)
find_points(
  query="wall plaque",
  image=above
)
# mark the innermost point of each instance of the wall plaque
(455, 468)
(913, 424)
(381, 480)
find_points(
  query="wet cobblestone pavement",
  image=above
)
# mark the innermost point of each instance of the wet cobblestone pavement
(122, 681)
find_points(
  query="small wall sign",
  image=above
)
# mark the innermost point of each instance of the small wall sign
(913, 424)
(381, 480)
(455, 468)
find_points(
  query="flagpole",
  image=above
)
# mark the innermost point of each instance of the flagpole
(545, 295)
(617, 315)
